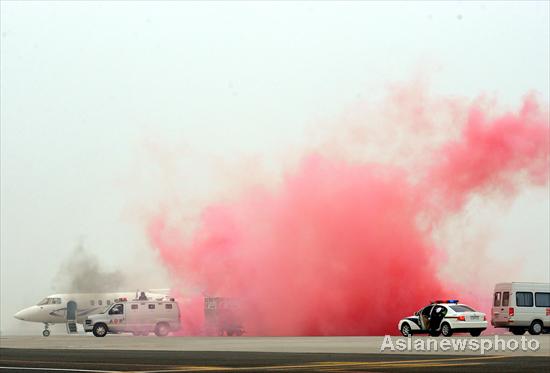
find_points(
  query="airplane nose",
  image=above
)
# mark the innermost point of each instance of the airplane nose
(25, 314)
(19, 315)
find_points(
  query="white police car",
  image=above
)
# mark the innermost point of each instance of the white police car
(444, 317)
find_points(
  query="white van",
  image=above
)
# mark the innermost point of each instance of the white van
(521, 306)
(139, 317)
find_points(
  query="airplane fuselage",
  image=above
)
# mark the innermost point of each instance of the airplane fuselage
(57, 308)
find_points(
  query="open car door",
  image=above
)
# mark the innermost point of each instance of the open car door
(424, 317)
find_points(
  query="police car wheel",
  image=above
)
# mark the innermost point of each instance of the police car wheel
(100, 330)
(46, 333)
(475, 332)
(162, 330)
(406, 330)
(535, 328)
(446, 330)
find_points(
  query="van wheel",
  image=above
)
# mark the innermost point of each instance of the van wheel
(100, 330)
(535, 328)
(517, 331)
(406, 330)
(162, 329)
(475, 332)
(446, 330)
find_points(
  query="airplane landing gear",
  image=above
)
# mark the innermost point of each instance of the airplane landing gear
(46, 332)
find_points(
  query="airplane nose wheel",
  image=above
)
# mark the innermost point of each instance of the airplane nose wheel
(46, 332)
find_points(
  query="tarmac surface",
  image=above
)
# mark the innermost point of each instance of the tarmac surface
(251, 344)
(256, 354)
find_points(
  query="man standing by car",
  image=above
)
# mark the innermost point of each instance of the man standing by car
(437, 315)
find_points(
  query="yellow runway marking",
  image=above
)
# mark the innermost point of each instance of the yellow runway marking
(341, 365)
(394, 366)
(326, 365)
(85, 363)
(329, 364)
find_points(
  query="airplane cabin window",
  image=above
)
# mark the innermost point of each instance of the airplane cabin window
(99, 302)
(108, 302)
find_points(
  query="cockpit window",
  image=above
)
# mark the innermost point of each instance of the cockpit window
(49, 301)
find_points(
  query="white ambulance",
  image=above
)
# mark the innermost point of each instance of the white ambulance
(139, 317)
(521, 306)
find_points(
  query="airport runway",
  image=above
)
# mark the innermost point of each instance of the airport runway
(25, 360)
(319, 354)
(241, 344)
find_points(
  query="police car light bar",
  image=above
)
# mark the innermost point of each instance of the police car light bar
(446, 301)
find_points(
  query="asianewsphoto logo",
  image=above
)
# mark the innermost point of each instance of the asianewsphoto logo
(481, 345)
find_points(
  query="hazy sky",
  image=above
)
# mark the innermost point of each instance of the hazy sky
(95, 95)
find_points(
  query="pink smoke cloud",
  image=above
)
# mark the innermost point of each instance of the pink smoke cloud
(337, 248)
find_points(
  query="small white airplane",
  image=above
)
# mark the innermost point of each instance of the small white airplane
(75, 307)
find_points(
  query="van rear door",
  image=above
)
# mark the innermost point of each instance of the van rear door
(501, 302)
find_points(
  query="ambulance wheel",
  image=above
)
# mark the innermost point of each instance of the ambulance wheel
(230, 333)
(446, 330)
(535, 328)
(517, 331)
(100, 330)
(46, 333)
(406, 330)
(162, 329)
